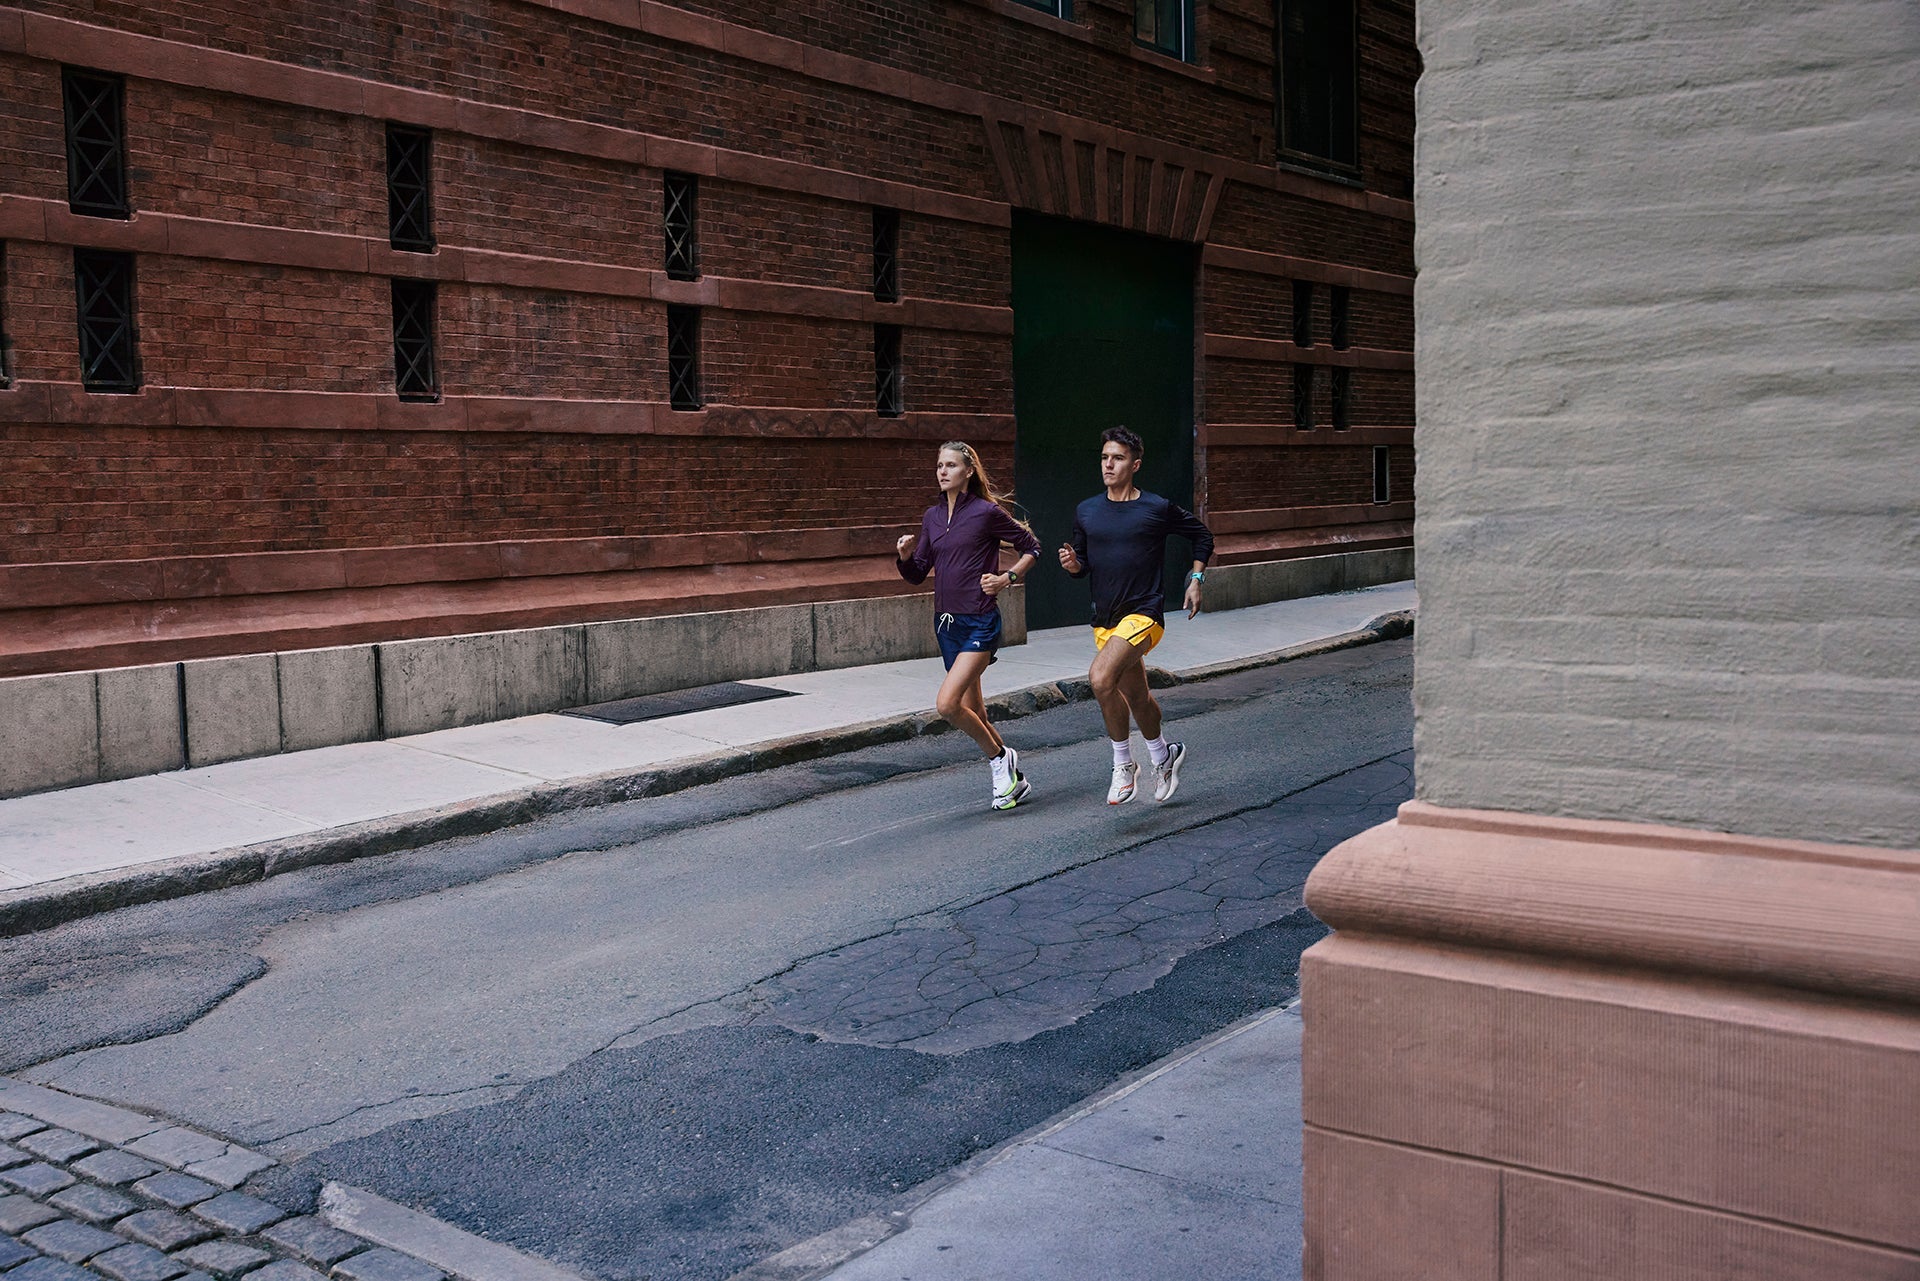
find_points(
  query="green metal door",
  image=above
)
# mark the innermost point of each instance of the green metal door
(1102, 336)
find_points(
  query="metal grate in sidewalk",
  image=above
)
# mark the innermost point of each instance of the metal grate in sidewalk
(678, 702)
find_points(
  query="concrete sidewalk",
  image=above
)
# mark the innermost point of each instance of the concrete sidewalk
(92, 848)
(1189, 1169)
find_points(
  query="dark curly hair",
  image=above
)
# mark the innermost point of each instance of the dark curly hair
(1121, 436)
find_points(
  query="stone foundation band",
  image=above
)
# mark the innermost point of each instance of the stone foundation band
(1118, 545)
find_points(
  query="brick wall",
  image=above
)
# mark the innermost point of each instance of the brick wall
(235, 159)
(119, 493)
(32, 140)
(38, 312)
(268, 421)
(237, 325)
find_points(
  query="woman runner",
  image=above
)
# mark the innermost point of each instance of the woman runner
(959, 542)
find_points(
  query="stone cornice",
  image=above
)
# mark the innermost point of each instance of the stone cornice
(1827, 918)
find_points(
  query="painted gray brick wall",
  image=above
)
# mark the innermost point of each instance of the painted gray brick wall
(1669, 405)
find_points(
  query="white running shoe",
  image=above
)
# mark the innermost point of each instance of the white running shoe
(1010, 786)
(1121, 790)
(1166, 775)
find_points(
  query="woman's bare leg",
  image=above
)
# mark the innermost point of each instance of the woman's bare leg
(978, 703)
(959, 711)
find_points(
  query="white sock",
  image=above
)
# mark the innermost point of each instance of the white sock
(1123, 753)
(1158, 748)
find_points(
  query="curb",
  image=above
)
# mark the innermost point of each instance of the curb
(816, 1257)
(39, 907)
(455, 1251)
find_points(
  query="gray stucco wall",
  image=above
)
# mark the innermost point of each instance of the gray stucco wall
(1669, 405)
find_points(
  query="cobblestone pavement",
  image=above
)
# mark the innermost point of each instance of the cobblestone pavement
(1044, 954)
(89, 1191)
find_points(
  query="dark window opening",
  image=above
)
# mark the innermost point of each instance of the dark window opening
(1342, 397)
(679, 210)
(103, 285)
(96, 112)
(1058, 8)
(683, 357)
(1166, 26)
(410, 189)
(1379, 473)
(1319, 75)
(1303, 397)
(1339, 326)
(1303, 313)
(888, 393)
(886, 255)
(414, 376)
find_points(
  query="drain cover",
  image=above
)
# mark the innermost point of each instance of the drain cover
(676, 702)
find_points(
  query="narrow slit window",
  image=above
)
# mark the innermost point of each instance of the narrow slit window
(1342, 397)
(414, 375)
(888, 393)
(680, 210)
(1166, 26)
(96, 117)
(1380, 474)
(1318, 68)
(886, 255)
(683, 357)
(1303, 313)
(410, 188)
(103, 285)
(1303, 397)
(1340, 318)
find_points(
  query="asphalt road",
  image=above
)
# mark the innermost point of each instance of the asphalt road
(670, 1037)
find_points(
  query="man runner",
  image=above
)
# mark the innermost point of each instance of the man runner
(1120, 538)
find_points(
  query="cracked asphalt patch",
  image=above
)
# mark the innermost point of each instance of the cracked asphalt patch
(1046, 953)
(698, 1154)
(868, 1069)
(409, 1019)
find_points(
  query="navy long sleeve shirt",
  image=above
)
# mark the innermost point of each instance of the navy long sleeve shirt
(1123, 546)
(960, 548)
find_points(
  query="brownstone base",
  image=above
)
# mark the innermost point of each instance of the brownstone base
(1552, 1049)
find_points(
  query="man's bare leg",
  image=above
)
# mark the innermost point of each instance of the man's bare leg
(1114, 670)
(1139, 697)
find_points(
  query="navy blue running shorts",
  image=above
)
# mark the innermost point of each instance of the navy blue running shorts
(968, 633)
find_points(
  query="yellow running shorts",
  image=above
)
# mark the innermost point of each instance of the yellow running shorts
(1137, 630)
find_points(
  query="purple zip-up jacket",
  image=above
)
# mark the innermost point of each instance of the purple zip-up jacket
(958, 552)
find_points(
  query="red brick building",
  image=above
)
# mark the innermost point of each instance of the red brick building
(367, 319)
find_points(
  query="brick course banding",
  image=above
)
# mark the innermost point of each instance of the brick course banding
(268, 425)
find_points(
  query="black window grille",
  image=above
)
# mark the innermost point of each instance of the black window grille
(1303, 313)
(1342, 397)
(414, 376)
(1318, 70)
(680, 211)
(103, 286)
(683, 357)
(1380, 494)
(410, 188)
(888, 393)
(1340, 318)
(96, 111)
(886, 255)
(1165, 25)
(1303, 397)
